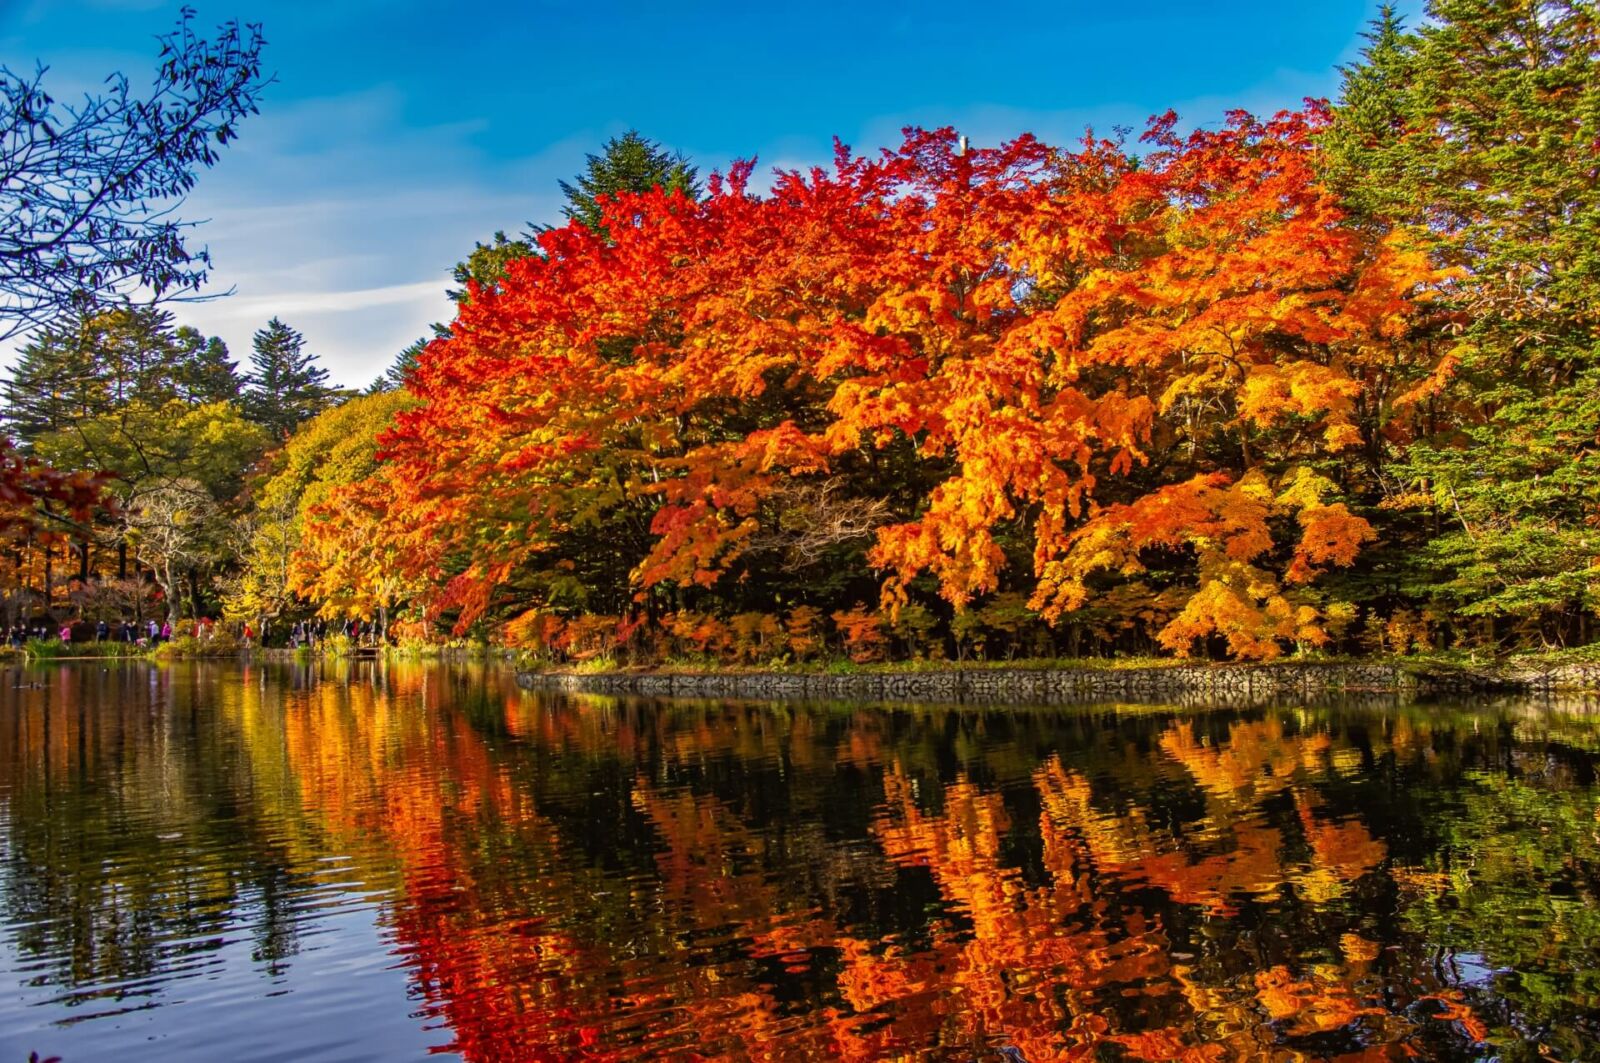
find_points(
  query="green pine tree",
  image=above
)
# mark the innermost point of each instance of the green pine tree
(54, 380)
(629, 163)
(285, 387)
(205, 373)
(1477, 132)
(102, 359)
(487, 263)
(395, 377)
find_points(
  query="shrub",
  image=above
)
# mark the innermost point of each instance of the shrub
(696, 634)
(219, 643)
(537, 631)
(756, 636)
(862, 631)
(803, 627)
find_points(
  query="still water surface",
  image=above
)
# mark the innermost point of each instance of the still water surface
(368, 862)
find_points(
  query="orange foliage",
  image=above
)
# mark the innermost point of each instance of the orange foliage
(697, 633)
(756, 636)
(537, 629)
(1227, 526)
(1029, 324)
(802, 627)
(863, 633)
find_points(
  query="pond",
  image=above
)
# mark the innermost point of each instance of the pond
(375, 861)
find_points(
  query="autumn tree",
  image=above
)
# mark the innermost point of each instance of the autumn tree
(335, 448)
(966, 363)
(172, 525)
(629, 164)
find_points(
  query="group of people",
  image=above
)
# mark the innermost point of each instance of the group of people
(150, 632)
(308, 633)
(154, 632)
(312, 633)
(17, 634)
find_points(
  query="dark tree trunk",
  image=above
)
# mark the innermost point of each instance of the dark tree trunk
(194, 594)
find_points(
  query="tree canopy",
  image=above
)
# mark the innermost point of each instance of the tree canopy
(1324, 380)
(1479, 130)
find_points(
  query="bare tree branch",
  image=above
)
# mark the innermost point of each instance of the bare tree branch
(88, 190)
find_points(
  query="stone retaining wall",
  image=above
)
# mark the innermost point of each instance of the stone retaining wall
(1518, 679)
(1210, 684)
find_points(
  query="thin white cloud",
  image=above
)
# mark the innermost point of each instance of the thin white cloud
(284, 304)
(355, 333)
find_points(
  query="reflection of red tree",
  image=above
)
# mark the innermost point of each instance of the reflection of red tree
(418, 782)
(686, 962)
(1029, 971)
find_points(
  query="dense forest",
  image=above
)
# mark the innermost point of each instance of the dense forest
(1326, 381)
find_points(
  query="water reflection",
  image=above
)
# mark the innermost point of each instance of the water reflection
(382, 862)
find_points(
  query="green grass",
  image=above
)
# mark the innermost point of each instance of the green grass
(1539, 658)
(56, 650)
(187, 647)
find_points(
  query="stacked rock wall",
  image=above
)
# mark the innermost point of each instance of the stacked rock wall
(1209, 684)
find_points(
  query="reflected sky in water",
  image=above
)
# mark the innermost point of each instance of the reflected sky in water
(360, 861)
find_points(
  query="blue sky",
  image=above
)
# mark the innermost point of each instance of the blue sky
(398, 133)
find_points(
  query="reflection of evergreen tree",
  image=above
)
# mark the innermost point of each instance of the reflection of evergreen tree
(102, 880)
(275, 929)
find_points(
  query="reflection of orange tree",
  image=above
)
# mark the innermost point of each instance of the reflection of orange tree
(500, 958)
(392, 772)
(1049, 969)
(1242, 849)
(716, 952)
(1030, 969)
(501, 962)
(712, 883)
